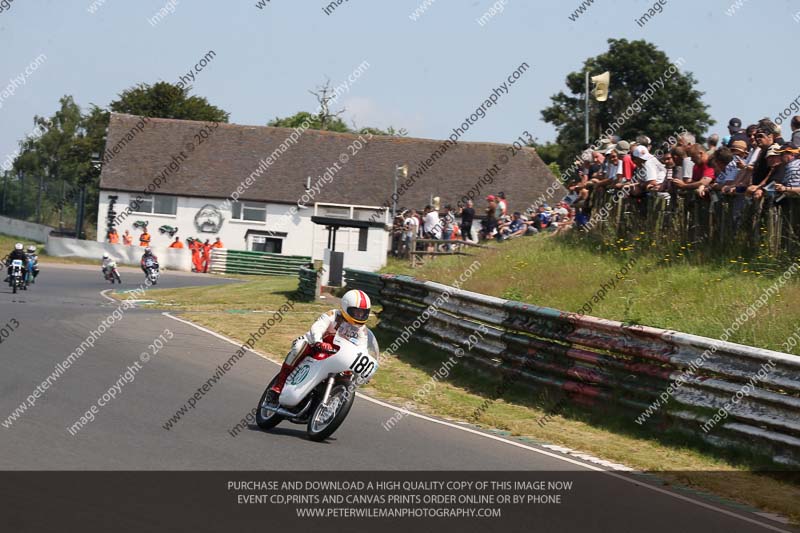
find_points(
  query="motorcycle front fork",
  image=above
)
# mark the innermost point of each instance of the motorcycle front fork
(328, 387)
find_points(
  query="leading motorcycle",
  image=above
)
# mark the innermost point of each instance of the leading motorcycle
(320, 390)
(17, 279)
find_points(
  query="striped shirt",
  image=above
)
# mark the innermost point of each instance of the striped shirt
(791, 177)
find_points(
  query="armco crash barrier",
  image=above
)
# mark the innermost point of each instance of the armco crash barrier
(603, 363)
(256, 263)
(308, 289)
(368, 282)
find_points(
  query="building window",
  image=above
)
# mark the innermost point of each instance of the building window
(366, 214)
(250, 211)
(363, 233)
(267, 244)
(335, 212)
(158, 205)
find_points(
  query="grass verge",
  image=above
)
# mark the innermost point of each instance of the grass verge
(236, 310)
(703, 300)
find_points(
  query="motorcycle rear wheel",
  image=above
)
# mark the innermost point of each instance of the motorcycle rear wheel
(325, 420)
(267, 419)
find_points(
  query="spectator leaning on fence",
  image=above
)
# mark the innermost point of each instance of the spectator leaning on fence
(685, 141)
(702, 173)
(790, 183)
(725, 163)
(762, 174)
(650, 173)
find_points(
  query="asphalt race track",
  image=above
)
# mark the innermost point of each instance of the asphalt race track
(56, 315)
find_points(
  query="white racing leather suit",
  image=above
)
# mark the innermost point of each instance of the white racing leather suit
(106, 261)
(324, 329)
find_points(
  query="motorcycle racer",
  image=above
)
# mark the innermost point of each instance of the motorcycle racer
(106, 261)
(348, 321)
(33, 262)
(17, 253)
(147, 256)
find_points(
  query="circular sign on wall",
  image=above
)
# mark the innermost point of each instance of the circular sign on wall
(208, 219)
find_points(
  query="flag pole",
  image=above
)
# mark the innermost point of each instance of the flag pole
(586, 113)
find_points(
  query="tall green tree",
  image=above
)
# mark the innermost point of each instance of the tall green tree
(165, 100)
(61, 160)
(55, 164)
(635, 66)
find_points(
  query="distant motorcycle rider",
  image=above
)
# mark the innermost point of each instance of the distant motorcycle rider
(106, 262)
(33, 261)
(147, 257)
(348, 321)
(17, 253)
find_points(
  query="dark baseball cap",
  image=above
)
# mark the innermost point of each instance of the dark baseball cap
(735, 123)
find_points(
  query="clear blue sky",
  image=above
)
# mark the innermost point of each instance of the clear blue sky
(424, 75)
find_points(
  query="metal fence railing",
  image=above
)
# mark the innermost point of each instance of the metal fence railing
(720, 224)
(605, 364)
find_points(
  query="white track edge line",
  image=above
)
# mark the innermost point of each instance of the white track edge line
(107, 297)
(517, 444)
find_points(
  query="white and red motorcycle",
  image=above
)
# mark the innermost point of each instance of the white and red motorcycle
(320, 390)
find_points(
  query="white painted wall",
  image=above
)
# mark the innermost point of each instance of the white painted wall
(168, 258)
(303, 236)
(25, 230)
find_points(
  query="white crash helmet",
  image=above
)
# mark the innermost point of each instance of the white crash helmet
(105, 255)
(18, 246)
(148, 250)
(355, 307)
(32, 249)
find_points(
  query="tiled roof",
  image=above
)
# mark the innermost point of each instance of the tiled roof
(217, 166)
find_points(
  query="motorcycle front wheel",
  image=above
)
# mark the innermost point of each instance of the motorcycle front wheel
(264, 418)
(325, 420)
(118, 278)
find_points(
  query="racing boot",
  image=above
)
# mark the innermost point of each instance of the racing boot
(286, 369)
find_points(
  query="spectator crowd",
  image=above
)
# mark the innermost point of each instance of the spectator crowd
(751, 164)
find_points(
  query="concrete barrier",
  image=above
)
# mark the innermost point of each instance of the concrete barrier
(24, 230)
(168, 258)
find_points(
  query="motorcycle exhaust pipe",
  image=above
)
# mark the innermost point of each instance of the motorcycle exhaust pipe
(285, 413)
(279, 410)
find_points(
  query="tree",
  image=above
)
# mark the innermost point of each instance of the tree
(314, 121)
(165, 100)
(327, 120)
(377, 131)
(641, 77)
(56, 166)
